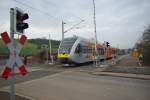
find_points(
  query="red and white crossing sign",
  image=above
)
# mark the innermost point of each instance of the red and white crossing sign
(14, 55)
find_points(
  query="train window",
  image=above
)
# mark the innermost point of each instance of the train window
(101, 51)
(88, 50)
(78, 49)
(66, 45)
(64, 50)
(84, 49)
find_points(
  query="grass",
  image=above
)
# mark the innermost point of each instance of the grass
(27, 50)
(3, 48)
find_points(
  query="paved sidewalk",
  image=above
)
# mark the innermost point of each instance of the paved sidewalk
(125, 75)
(103, 71)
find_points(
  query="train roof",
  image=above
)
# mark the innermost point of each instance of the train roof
(91, 42)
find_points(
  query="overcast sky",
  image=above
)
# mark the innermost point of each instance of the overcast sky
(121, 22)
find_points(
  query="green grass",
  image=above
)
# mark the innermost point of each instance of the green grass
(3, 48)
(27, 50)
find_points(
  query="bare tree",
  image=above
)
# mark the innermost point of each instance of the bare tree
(144, 45)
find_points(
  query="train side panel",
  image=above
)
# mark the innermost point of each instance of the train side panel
(80, 56)
(79, 50)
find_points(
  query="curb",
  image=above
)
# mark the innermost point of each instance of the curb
(133, 76)
(25, 96)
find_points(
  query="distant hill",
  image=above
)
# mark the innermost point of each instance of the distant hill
(32, 47)
(39, 41)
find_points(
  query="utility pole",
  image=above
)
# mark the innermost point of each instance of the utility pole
(50, 45)
(94, 22)
(47, 53)
(63, 30)
(50, 49)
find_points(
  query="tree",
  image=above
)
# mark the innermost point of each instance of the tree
(144, 45)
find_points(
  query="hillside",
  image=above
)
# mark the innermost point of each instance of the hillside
(39, 41)
(32, 47)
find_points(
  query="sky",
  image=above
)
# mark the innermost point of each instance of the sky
(121, 22)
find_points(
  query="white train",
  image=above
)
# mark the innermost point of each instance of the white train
(79, 50)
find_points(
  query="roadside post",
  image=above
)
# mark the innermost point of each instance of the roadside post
(45, 49)
(17, 26)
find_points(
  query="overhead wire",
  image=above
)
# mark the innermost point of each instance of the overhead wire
(48, 2)
(41, 11)
(45, 13)
(49, 15)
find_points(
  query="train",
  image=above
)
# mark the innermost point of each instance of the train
(78, 50)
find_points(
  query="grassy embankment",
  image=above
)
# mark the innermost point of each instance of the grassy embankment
(29, 49)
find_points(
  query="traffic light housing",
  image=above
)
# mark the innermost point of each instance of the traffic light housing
(20, 24)
(107, 44)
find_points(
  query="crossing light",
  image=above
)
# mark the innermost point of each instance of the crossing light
(20, 24)
(107, 44)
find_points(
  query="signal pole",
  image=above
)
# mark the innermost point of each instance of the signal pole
(17, 26)
(12, 32)
(94, 22)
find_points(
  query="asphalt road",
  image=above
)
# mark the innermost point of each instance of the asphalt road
(71, 85)
(27, 77)
(45, 71)
(55, 82)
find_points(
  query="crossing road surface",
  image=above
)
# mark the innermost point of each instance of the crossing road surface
(128, 60)
(71, 85)
(129, 64)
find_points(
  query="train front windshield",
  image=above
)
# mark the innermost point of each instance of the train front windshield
(67, 44)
